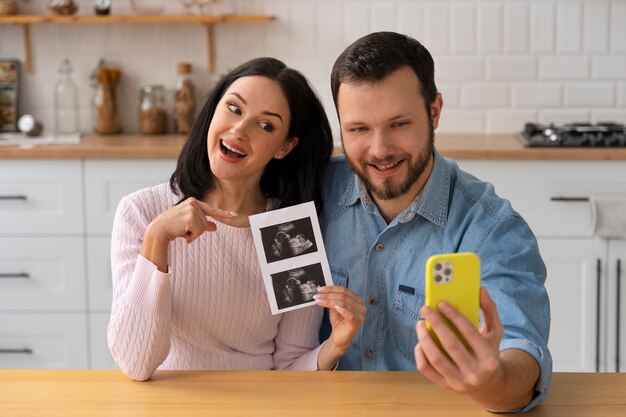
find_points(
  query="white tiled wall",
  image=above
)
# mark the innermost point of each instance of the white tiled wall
(499, 63)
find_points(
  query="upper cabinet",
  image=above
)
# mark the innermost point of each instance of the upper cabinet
(208, 21)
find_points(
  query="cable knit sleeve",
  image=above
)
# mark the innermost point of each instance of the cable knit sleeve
(140, 325)
(297, 341)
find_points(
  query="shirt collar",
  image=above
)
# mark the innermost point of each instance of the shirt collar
(431, 203)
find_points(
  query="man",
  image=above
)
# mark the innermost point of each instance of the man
(392, 202)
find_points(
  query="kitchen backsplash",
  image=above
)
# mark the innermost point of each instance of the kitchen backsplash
(499, 63)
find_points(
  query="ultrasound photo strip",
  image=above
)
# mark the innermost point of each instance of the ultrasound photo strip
(291, 256)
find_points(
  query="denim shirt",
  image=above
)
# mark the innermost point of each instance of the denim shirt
(384, 263)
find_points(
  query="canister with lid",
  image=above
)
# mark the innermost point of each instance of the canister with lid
(183, 99)
(152, 113)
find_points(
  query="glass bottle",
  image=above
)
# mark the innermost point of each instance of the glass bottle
(65, 102)
(152, 112)
(183, 99)
(105, 108)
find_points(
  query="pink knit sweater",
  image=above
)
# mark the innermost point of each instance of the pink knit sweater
(210, 311)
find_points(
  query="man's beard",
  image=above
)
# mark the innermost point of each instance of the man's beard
(386, 191)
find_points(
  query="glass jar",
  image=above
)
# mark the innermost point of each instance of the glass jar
(102, 7)
(62, 7)
(152, 114)
(105, 108)
(183, 99)
(147, 7)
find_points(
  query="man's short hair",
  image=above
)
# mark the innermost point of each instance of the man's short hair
(375, 56)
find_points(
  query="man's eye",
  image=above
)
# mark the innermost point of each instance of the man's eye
(268, 127)
(401, 124)
(358, 129)
(233, 108)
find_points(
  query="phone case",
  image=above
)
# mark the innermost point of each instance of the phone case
(454, 278)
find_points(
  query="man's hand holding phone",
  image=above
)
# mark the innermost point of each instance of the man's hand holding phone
(470, 368)
(452, 351)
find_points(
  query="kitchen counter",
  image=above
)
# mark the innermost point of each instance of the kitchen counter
(469, 147)
(68, 393)
(93, 146)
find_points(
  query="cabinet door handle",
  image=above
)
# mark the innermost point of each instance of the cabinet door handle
(569, 199)
(25, 350)
(618, 307)
(14, 275)
(13, 197)
(598, 278)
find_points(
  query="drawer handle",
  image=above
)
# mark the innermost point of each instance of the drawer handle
(569, 199)
(25, 350)
(13, 197)
(618, 269)
(598, 311)
(15, 275)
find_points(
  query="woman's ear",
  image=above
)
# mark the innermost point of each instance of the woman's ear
(287, 147)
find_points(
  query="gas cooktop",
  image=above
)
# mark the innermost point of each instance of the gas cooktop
(603, 134)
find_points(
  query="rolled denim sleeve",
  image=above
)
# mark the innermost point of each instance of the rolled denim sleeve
(543, 358)
(514, 273)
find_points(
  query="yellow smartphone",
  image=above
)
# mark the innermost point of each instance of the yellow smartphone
(454, 278)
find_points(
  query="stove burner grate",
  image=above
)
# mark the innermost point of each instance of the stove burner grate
(603, 134)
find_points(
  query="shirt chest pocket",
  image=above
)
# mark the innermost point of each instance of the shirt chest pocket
(340, 276)
(406, 314)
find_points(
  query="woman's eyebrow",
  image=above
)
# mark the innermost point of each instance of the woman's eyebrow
(269, 113)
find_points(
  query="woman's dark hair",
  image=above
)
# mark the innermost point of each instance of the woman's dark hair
(293, 179)
(373, 57)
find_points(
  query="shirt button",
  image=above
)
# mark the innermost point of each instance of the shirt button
(379, 247)
(372, 300)
(369, 354)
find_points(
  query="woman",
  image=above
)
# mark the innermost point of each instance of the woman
(186, 299)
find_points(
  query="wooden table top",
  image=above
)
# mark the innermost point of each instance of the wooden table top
(88, 393)
(476, 147)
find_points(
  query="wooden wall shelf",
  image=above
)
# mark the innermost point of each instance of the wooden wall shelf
(208, 21)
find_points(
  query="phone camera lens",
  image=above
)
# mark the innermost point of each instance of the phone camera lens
(438, 267)
(448, 271)
(437, 278)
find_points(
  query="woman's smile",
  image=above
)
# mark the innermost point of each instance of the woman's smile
(231, 152)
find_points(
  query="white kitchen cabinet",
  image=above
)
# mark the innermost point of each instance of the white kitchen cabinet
(106, 182)
(42, 274)
(616, 312)
(573, 299)
(43, 340)
(41, 197)
(42, 265)
(55, 269)
(100, 356)
(99, 274)
(582, 277)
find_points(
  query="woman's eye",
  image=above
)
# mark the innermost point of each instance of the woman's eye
(233, 108)
(268, 127)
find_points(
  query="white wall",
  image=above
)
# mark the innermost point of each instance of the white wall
(499, 63)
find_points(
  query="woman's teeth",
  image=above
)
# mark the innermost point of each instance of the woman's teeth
(231, 151)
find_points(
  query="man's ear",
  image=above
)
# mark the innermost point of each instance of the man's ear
(287, 147)
(435, 110)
